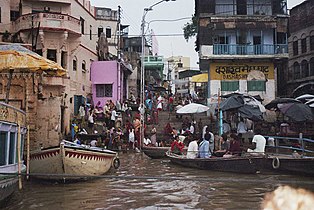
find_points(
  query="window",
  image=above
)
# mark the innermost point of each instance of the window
(312, 67)
(3, 148)
(52, 55)
(39, 52)
(303, 45)
(256, 85)
(296, 70)
(241, 7)
(224, 8)
(180, 65)
(259, 7)
(14, 15)
(90, 32)
(229, 85)
(82, 25)
(295, 47)
(83, 66)
(104, 90)
(74, 64)
(100, 30)
(304, 69)
(312, 42)
(108, 32)
(12, 148)
(64, 56)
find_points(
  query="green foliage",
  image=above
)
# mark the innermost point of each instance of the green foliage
(190, 28)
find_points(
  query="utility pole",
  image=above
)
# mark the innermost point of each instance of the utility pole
(119, 94)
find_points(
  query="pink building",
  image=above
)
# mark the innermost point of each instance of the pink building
(109, 82)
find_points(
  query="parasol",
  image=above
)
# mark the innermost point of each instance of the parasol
(192, 108)
(296, 111)
(17, 57)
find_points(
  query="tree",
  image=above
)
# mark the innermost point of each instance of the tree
(190, 28)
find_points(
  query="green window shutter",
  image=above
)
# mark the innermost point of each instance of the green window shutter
(256, 85)
(229, 85)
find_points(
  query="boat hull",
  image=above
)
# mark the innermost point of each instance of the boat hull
(70, 163)
(248, 165)
(155, 152)
(8, 184)
(290, 165)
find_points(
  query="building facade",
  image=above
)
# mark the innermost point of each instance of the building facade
(109, 81)
(301, 50)
(67, 32)
(243, 45)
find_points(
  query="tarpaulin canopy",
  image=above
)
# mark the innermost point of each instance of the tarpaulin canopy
(17, 57)
(200, 78)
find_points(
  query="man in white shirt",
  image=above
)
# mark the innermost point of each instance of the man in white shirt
(259, 142)
(226, 127)
(242, 127)
(192, 152)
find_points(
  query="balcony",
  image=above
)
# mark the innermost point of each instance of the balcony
(262, 49)
(50, 21)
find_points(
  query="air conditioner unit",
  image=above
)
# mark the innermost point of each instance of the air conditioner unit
(47, 9)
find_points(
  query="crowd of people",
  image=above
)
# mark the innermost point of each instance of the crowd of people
(113, 125)
(116, 124)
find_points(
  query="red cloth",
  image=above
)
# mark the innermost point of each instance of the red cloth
(235, 147)
(178, 145)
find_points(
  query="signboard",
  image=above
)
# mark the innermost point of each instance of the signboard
(239, 71)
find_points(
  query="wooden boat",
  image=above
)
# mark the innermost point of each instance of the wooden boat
(290, 156)
(71, 161)
(290, 165)
(12, 133)
(155, 152)
(247, 164)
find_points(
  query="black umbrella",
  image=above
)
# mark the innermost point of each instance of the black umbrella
(297, 111)
(251, 112)
(232, 102)
(274, 103)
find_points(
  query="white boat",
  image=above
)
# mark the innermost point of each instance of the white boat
(12, 133)
(70, 161)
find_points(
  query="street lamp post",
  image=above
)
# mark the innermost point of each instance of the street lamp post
(142, 90)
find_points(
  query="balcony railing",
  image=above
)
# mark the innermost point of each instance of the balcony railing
(48, 20)
(263, 49)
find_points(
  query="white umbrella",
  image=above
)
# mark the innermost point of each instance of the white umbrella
(305, 97)
(192, 108)
(310, 103)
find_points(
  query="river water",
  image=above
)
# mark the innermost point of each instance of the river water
(144, 183)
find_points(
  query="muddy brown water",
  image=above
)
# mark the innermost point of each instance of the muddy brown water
(144, 183)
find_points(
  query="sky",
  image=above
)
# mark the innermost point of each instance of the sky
(169, 33)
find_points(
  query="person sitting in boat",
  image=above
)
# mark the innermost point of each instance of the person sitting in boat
(234, 148)
(153, 136)
(209, 136)
(259, 142)
(77, 140)
(93, 143)
(177, 146)
(147, 141)
(203, 149)
(192, 152)
(223, 146)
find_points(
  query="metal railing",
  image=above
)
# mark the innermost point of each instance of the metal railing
(291, 144)
(262, 49)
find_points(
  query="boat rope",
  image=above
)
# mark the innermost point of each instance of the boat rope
(276, 163)
(160, 178)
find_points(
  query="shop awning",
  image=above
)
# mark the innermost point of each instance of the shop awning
(200, 78)
(16, 57)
